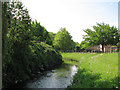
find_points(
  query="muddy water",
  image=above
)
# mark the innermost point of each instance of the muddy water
(58, 78)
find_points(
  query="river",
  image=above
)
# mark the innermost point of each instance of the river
(57, 78)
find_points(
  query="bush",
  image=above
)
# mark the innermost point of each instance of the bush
(25, 62)
(44, 55)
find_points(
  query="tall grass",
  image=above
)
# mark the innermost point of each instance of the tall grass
(95, 70)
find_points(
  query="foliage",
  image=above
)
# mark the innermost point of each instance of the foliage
(95, 70)
(24, 54)
(77, 47)
(39, 57)
(19, 23)
(50, 38)
(26, 50)
(17, 41)
(40, 34)
(62, 40)
(44, 56)
(82, 46)
(103, 34)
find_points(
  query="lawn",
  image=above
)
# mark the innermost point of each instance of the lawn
(98, 70)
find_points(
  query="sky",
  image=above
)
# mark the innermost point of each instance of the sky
(74, 15)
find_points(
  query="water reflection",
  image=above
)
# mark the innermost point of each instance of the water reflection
(59, 78)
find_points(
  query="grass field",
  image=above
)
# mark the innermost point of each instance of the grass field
(95, 70)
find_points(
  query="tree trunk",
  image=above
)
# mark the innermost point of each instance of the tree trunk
(102, 48)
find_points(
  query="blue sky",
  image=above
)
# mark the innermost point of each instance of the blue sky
(74, 15)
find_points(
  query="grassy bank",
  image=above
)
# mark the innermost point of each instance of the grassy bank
(95, 70)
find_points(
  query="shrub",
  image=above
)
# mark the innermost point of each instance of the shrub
(26, 62)
(45, 55)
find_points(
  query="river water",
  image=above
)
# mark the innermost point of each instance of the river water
(58, 78)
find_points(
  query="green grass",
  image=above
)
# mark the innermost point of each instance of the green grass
(95, 70)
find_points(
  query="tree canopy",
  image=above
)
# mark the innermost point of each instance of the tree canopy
(39, 32)
(50, 38)
(62, 40)
(102, 34)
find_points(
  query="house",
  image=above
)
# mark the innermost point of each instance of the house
(110, 49)
(107, 48)
(96, 48)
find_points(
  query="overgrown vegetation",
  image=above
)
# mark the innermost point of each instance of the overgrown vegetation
(24, 49)
(95, 70)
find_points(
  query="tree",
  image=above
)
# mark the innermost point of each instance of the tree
(19, 23)
(39, 33)
(50, 38)
(5, 46)
(17, 32)
(77, 46)
(4, 24)
(62, 40)
(103, 34)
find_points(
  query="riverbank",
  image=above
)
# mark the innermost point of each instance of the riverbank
(59, 77)
(27, 63)
(94, 70)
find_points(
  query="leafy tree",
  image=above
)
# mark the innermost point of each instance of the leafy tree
(82, 46)
(103, 34)
(44, 57)
(50, 38)
(62, 40)
(39, 33)
(17, 51)
(77, 46)
(19, 23)
(73, 46)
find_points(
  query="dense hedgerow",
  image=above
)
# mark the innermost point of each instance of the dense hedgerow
(45, 56)
(23, 51)
(23, 64)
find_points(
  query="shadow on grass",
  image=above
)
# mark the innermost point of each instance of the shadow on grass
(84, 79)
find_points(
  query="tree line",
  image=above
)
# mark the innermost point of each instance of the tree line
(102, 34)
